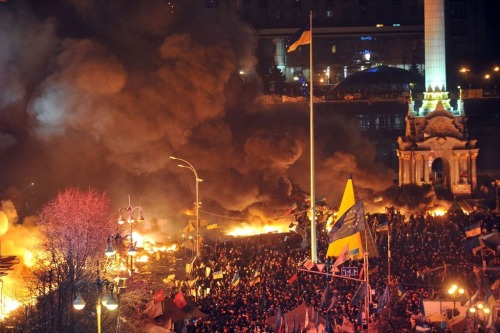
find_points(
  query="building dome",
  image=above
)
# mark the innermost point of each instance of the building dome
(382, 79)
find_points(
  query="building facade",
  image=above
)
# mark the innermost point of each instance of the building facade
(349, 36)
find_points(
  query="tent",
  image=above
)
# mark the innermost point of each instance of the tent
(297, 315)
(436, 317)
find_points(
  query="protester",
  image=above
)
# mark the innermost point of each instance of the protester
(259, 282)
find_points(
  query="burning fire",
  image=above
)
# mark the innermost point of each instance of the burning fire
(249, 230)
(16, 240)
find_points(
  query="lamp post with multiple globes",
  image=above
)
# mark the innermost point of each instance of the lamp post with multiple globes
(455, 291)
(198, 180)
(476, 309)
(127, 215)
(107, 300)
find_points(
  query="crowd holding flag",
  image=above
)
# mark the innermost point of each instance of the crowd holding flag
(348, 224)
(326, 297)
(401, 292)
(473, 230)
(236, 279)
(255, 277)
(218, 275)
(180, 301)
(347, 326)
(292, 279)
(343, 257)
(384, 298)
(359, 295)
(309, 264)
(347, 230)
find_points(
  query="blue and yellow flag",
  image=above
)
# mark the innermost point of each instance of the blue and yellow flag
(355, 246)
(473, 230)
(301, 37)
(218, 275)
(350, 223)
(236, 279)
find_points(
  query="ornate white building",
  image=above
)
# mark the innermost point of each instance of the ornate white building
(436, 148)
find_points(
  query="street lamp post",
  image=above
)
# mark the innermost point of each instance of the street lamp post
(198, 180)
(130, 220)
(108, 301)
(479, 307)
(455, 291)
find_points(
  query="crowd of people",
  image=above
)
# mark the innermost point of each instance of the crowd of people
(262, 281)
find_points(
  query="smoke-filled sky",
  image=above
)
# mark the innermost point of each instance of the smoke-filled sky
(100, 93)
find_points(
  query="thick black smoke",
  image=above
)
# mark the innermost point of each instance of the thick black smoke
(101, 93)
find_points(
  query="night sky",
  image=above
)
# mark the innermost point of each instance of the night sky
(100, 94)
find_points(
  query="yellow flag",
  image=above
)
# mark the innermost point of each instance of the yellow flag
(355, 246)
(348, 199)
(188, 228)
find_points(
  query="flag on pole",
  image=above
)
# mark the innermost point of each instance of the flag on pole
(361, 273)
(301, 37)
(473, 230)
(255, 277)
(279, 319)
(180, 301)
(384, 299)
(212, 226)
(306, 321)
(359, 295)
(347, 326)
(343, 257)
(236, 279)
(347, 230)
(292, 279)
(309, 264)
(326, 297)
(401, 292)
(348, 224)
(188, 228)
(355, 246)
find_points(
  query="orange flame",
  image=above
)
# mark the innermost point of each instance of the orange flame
(249, 230)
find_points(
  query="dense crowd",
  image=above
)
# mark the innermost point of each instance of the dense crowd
(428, 253)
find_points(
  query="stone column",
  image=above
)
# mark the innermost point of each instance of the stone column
(407, 169)
(456, 169)
(418, 169)
(435, 56)
(401, 169)
(465, 167)
(426, 168)
(473, 176)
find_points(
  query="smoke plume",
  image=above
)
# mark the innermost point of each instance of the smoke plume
(101, 93)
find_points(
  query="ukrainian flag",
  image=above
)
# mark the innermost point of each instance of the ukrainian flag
(301, 37)
(355, 246)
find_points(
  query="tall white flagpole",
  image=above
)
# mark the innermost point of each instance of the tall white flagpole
(314, 255)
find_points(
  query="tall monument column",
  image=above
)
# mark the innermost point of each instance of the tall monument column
(435, 59)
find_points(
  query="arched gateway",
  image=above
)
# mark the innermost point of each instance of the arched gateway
(436, 148)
